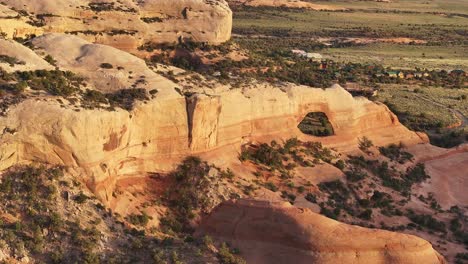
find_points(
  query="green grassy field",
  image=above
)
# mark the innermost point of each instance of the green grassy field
(446, 6)
(403, 56)
(446, 48)
(430, 27)
(429, 106)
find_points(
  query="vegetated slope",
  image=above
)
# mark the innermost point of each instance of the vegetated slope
(49, 216)
(122, 24)
(121, 137)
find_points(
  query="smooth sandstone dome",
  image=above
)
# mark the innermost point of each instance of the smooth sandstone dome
(84, 58)
(123, 24)
(27, 59)
(276, 232)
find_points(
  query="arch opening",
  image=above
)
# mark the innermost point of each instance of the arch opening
(316, 124)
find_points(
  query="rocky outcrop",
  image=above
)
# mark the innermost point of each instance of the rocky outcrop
(276, 232)
(122, 24)
(448, 170)
(159, 132)
(26, 59)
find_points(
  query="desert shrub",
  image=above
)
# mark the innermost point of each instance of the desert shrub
(94, 96)
(390, 177)
(138, 219)
(226, 256)
(394, 153)
(150, 20)
(333, 214)
(81, 198)
(365, 144)
(289, 145)
(340, 164)
(311, 198)
(366, 214)
(126, 98)
(319, 152)
(50, 59)
(12, 61)
(461, 258)
(54, 82)
(355, 175)
(106, 65)
(416, 174)
(265, 154)
(449, 138)
(427, 221)
(288, 196)
(271, 186)
(228, 173)
(186, 196)
(333, 186)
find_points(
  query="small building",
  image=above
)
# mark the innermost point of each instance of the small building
(395, 74)
(420, 74)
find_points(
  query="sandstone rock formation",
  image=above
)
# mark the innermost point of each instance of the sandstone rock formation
(448, 169)
(122, 24)
(26, 58)
(276, 232)
(158, 133)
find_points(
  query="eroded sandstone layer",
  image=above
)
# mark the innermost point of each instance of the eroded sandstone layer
(276, 232)
(159, 132)
(122, 24)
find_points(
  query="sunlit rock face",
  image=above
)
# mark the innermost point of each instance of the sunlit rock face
(157, 133)
(277, 232)
(122, 24)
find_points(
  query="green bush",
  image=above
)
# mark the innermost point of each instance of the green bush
(225, 256)
(139, 219)
(186, 196)
(106, 65)
(427, 221)
(54, 82)
(126, 98)
(365, 144)
(394, 153)
(10, 60)
(271, 186)
(355, 175)
(311, 198)
(81, 198)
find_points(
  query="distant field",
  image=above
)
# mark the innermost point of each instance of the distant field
(403, 56)
(447, 6)
(447, 35)
(430, 27)
(429, 106)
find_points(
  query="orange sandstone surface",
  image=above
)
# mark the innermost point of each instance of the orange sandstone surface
(276, 232)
